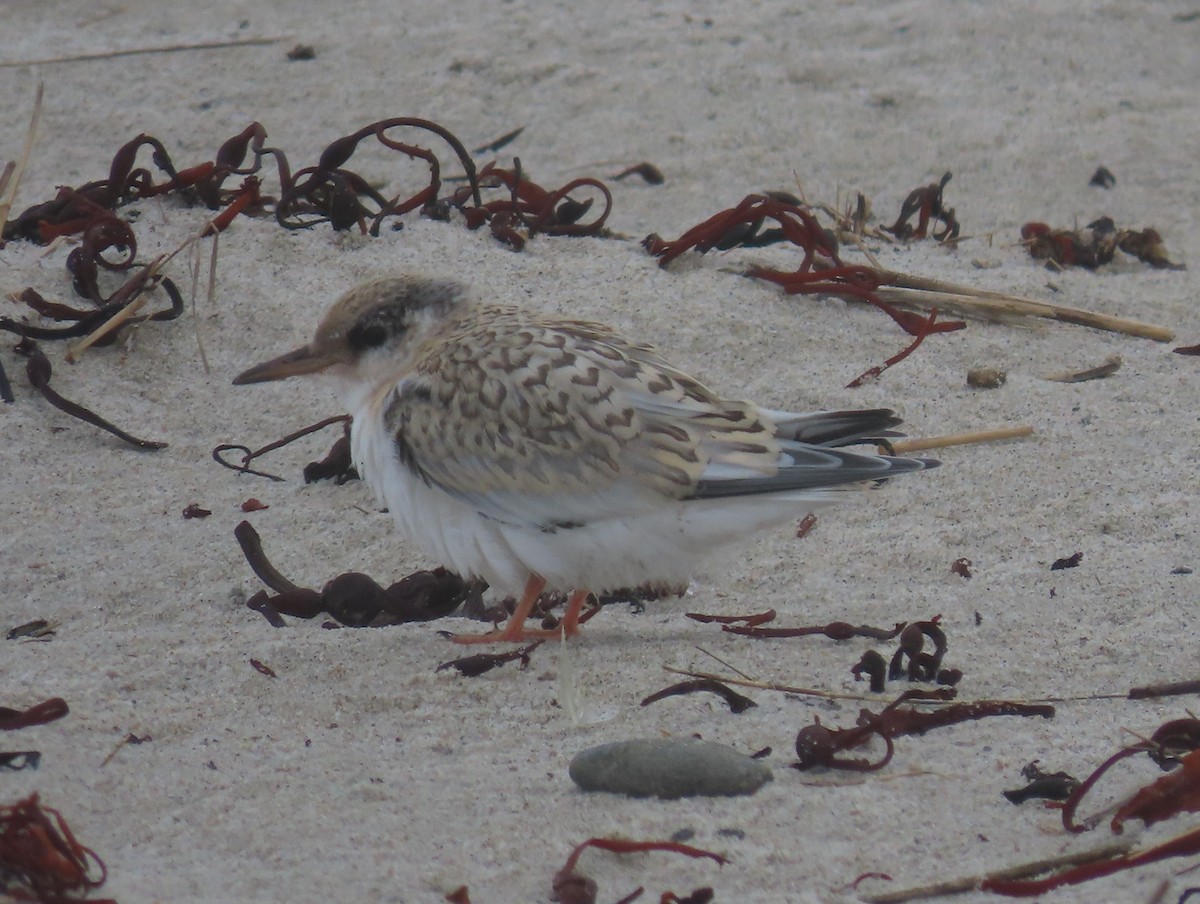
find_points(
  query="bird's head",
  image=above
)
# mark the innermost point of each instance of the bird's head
(371, 331)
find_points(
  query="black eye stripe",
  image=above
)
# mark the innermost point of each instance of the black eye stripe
(367, 335)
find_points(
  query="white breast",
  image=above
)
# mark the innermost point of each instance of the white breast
(661, 545)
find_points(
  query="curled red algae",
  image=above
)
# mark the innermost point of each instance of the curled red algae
(821, 270)
(40, 860)
(837, 630)
(108, 242)
(1170, 689)
(1174, 793)
(1072, 803)
(797, 224)
(737, 703)
(566, 879)
(758, 618)
(853, 886)
(247, 196)
(817, 745)
(481, 663)
(1172, 743)
(327, 192)
(38, 714)
(926, 203)
(539, 209)
(1095, 245)
(922, 666)
(250, 455)
(324, 192)
(926, 327)
(354, 600)
(82, 322)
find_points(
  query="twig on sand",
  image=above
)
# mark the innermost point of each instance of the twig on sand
(149, 283)
(10, 180)
(996, 434)
(141, 51)
(912, 291)
(1110, 366)
(1023, 871)
(771, 686)
(151, 278)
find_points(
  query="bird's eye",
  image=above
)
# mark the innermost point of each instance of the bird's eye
(367, 335)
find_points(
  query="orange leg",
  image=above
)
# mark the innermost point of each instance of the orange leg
(570, 621)
(514, 629)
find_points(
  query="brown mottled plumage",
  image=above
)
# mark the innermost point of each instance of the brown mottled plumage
(537, 451)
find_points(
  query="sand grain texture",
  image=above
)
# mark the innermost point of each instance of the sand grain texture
(360, 775)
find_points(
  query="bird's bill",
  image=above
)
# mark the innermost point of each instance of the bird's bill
(295, 363)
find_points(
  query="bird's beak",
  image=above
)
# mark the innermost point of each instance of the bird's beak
(295, 363)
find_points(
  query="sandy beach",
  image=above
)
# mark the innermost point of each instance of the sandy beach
(358, 773)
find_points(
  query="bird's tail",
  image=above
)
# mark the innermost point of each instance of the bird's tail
(836, 428)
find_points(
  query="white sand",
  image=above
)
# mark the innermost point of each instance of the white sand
(361, 775)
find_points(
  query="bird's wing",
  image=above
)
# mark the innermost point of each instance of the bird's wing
(749, 451)
(560, 423)
(531, 425)
(563, 422)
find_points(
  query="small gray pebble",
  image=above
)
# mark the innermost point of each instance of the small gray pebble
(666, 768)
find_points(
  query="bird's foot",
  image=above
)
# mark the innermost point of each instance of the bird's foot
(515, 630)
(515, 634)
